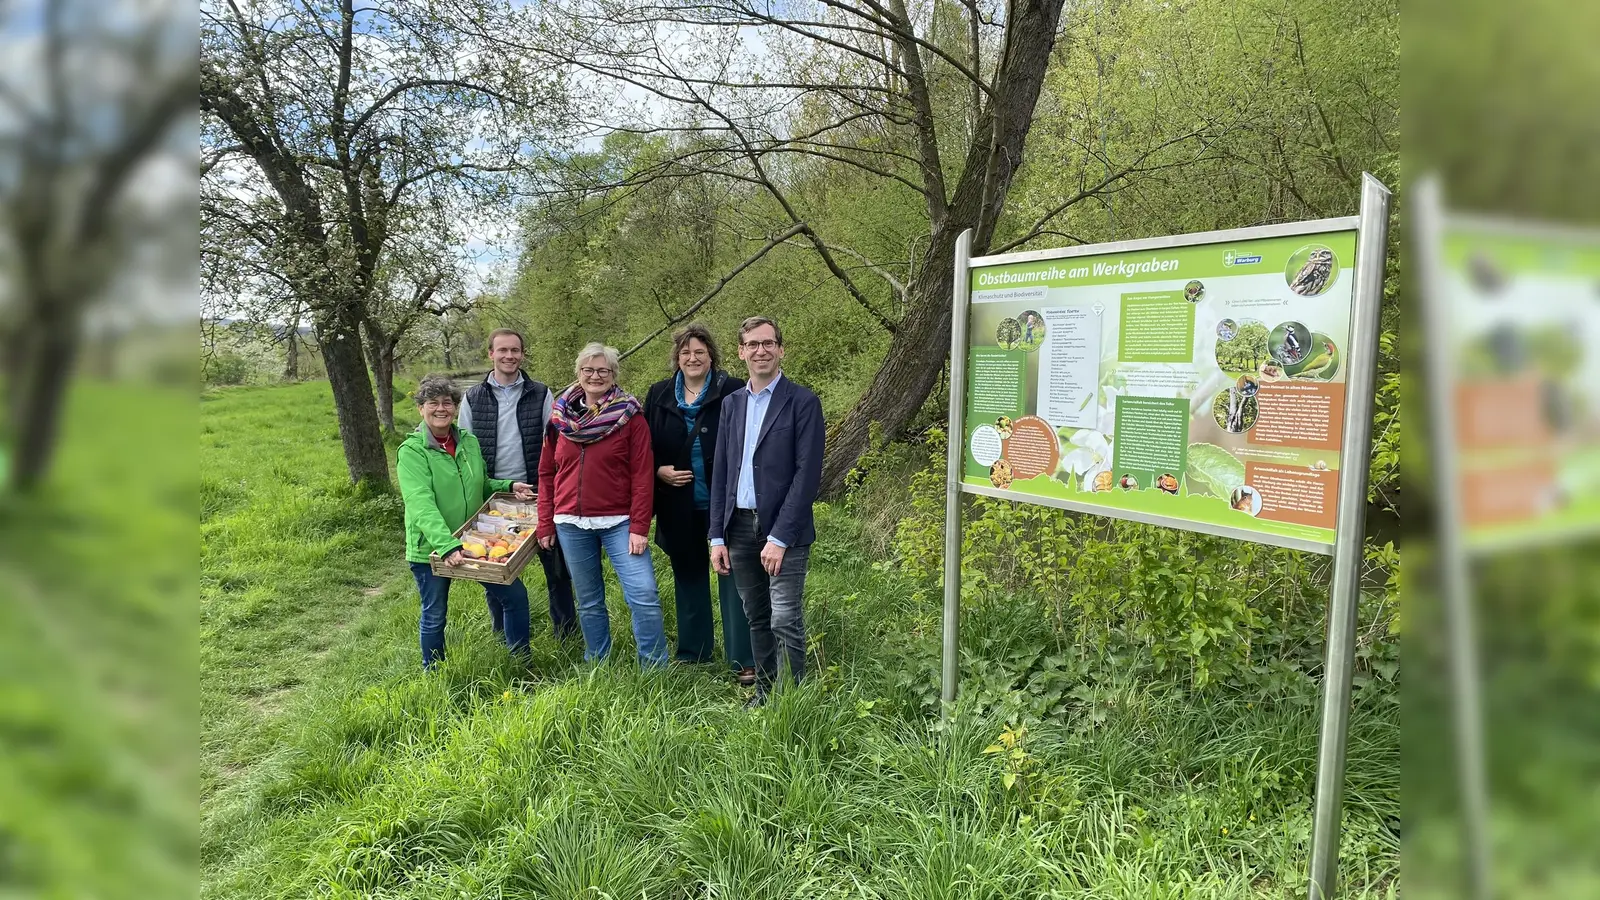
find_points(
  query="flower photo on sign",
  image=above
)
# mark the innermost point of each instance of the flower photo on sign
(1085, 454)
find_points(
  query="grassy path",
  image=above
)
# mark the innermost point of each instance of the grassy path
(332, 768)
(290, 558)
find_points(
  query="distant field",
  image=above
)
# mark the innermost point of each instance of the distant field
(331, 767)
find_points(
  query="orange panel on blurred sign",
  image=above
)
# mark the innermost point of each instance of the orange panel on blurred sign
(1506, 493)
(1500, 414)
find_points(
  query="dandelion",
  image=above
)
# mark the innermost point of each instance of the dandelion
(506, 696)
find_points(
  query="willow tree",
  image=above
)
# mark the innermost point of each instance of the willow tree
(932, 99)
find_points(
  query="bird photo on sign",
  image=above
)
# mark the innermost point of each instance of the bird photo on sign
(1321, 360)
(1312, 270)
(1289, 343)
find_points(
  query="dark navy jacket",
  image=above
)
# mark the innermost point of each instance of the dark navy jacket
(787, 463)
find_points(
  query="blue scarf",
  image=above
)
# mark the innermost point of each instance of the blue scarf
(691, 411)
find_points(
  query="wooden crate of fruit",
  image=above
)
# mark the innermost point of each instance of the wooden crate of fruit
(496, 543)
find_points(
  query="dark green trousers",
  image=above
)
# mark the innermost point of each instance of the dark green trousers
(691, 577)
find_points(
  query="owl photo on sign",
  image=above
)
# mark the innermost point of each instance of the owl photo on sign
(1313, 277)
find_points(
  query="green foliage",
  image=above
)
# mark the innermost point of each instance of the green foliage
(240, 353)
(1207, 609)
(1029, 786)
(1384, 473)
(615, 272)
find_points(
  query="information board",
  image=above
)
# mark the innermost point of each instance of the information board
(1521, 306)
(1199, 385)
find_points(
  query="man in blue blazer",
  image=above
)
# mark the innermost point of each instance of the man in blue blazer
(767, 470)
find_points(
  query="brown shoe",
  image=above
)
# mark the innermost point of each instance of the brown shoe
(747, 676)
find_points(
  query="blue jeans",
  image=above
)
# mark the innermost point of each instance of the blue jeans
(582, 548)
(512, 600)
(563, 612)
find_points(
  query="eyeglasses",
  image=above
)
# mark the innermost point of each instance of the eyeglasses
(439, 403)
(760, 345)
(588, 372)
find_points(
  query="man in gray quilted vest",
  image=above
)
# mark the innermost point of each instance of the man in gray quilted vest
(508, 412)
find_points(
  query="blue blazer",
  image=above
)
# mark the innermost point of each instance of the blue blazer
(787, 463)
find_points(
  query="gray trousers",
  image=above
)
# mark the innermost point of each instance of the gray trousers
(773, 604)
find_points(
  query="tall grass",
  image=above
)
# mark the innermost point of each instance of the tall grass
(560, 779)
(97, 642)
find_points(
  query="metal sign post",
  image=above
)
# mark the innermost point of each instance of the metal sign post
(1345, 593)
(1450, 544)
(953, 465)
(1342, 537)
(1489, 281)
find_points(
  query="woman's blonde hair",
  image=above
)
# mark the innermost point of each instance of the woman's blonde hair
(595, 348)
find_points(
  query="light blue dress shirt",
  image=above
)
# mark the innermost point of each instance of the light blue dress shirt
(755, 412)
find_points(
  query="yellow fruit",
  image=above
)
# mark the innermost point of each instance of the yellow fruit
(499, 552)
(474, 549)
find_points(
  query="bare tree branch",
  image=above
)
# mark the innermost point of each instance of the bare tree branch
(896, 284)
(715, 289)
(1037, 228)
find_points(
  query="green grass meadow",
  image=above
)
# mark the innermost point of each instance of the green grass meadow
(330, 766)
(97, 665)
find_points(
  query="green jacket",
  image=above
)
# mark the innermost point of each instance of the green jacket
(441, 491)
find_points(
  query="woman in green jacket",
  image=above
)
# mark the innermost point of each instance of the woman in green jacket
(443, 481)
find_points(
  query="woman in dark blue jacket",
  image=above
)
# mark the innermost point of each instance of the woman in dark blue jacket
(683, 412)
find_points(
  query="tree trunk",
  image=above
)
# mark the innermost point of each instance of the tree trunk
(291, 365)
(380, 355)
(339, 334)
(39, 390)
(914, 362)
(906, 377)
(383, 383)
(14, 357)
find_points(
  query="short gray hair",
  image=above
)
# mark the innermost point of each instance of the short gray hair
(436, 386)
(595, 348)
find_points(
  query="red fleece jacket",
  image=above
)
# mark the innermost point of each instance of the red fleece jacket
(614, 476)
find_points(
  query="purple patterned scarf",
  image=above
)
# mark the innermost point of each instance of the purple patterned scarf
(580, 423)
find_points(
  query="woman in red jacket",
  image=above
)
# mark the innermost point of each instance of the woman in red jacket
(596, 481)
